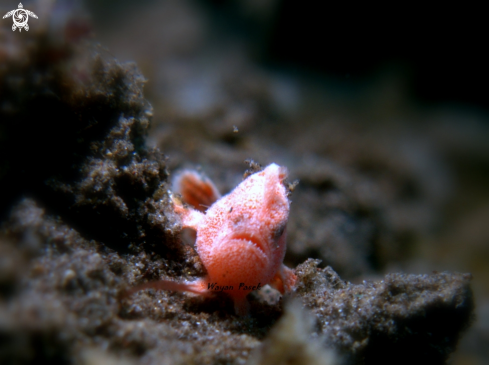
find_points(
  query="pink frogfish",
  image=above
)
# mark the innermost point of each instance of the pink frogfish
(240, 237)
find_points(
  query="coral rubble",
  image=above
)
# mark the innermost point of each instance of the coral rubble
(73, 126)
(376, 322)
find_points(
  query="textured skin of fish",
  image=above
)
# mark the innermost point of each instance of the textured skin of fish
(240, 238)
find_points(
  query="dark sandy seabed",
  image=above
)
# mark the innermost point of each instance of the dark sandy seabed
(85, 209)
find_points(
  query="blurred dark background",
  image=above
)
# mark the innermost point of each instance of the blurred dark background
(441, 50)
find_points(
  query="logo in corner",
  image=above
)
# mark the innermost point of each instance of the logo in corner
(20, 17)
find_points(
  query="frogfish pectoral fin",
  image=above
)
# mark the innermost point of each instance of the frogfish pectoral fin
(198, 286)
(284, 280)
(241, 306)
